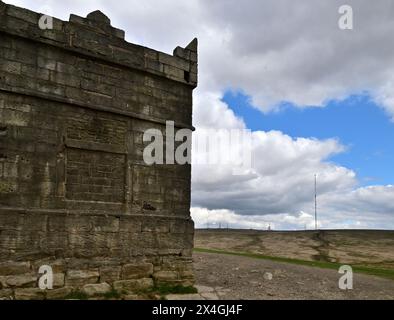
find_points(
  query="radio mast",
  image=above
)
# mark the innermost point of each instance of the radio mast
(315, 201)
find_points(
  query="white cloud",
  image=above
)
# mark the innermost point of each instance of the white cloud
(371, 199)
(281, 179)
(210, 112)
(279, 190)
(384, 96)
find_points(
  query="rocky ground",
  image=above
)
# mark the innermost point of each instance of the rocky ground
(237, 277)
(233, 277)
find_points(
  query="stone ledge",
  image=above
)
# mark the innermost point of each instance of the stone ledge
(60, 99)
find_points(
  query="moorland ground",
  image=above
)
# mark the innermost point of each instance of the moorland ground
(238, 264)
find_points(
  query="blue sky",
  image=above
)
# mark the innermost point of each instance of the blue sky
(357, 122)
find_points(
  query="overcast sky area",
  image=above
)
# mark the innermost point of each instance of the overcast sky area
(318, 99)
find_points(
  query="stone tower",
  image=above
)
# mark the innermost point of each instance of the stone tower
(75, 193)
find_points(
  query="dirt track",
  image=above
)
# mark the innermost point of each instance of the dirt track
(235, 277)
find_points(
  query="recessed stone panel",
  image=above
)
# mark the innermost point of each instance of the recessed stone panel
(95, 176)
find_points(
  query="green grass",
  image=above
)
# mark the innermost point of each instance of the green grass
(113, 294)
(76, 295)
(164, 289)
(161, 290)
(79, 295)
(385, 273)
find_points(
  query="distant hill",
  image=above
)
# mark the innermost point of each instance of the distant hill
(373, 248)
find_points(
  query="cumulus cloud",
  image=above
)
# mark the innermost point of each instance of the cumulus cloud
(294, 51)
(279, 189)
(281, 179)
(210, 112)
(371, 199)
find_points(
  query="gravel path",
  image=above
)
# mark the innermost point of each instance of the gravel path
(234, 278)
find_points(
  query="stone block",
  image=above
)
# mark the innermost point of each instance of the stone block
(136, 271)
(23, 14)
(110, 274)
(133, 285)
(58, 280)
(57, 294)
(165, 276)
(96, 289)
(6, 294)
(26, 280)
(11, 67)
(29, 294)
(81, 277)
(159, 226)
(14, 268)
(57, 265)
(186, 274)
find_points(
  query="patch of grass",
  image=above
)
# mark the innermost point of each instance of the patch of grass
(113, 294)
(159, 290)
(164, 289)
(76, 295)
(385, 273)
(79, 295)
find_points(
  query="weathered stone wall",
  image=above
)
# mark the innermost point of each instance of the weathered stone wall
(75, 192)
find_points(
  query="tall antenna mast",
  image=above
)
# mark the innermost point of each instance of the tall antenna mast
(315, 201)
